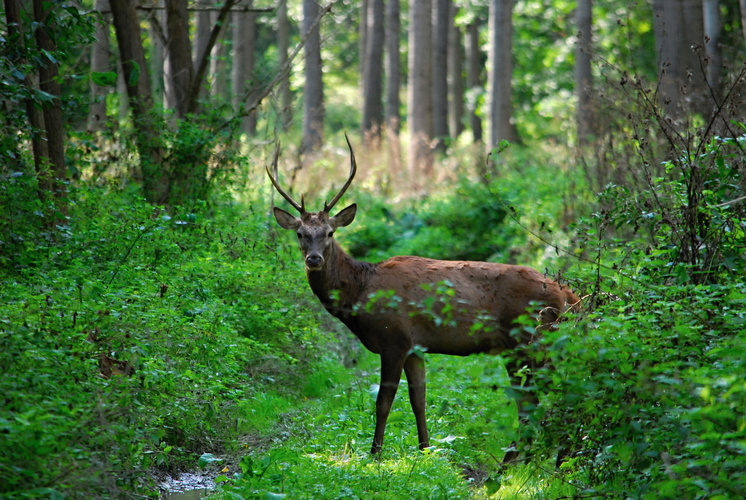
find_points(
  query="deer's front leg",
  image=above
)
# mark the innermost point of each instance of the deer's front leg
(391, 368)
(414, 367)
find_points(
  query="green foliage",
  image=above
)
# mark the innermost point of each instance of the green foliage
(644, 398)
(463, 224)
(133, 339)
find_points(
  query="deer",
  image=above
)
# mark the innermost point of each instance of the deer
(406, 306)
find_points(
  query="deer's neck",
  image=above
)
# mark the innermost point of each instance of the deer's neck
(341, 281)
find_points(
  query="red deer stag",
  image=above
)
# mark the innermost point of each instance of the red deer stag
(446, 307)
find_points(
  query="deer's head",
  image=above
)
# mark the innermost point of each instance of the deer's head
(315, 230)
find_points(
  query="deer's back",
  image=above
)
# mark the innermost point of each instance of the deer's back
(453, 307)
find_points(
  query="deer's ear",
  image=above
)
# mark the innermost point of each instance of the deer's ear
(286, 220)
(344, 217)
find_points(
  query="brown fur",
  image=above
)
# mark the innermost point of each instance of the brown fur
(408, 301)
(405, 305)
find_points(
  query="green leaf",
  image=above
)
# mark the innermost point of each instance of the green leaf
(135, 75)
(206, 459)
(104, 79)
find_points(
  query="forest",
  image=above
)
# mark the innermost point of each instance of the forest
(157, 323)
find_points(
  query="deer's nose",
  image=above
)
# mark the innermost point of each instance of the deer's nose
(314, 261)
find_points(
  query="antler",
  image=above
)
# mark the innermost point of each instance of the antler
(353, 170)
(300, 208)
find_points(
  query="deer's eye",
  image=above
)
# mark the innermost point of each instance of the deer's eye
(330, 234)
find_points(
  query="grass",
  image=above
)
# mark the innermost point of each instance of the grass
(321, 448)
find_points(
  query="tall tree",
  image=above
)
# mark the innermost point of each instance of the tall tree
(99, 64)
(441, 14)
(713, 30)
(455, 76)
(49, 83)
(156, 22)
(393, 79)
(500, 76)
(147, 124)
(373, 77)
(244, 38)
(283, 45)
(473, 78)
(420, 91)
(679, 29)
(17, 57)
(583, 77)
(313, 90)
(179, 53)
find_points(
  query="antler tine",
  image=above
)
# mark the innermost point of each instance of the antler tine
(353, 170)
(300, 208)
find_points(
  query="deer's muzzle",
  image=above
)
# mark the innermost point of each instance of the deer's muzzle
(314, 261)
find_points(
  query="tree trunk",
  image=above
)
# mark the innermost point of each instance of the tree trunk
(373, 69)
(678, 27)
(34, 114)
(179, 53)
(742, 4)
(201, 68)
(420, 91)
(99, 64)
(157, 54)
(244, 36)
(455, 76)
(583, 77)
(713, 30)
(313, 90)
(363, 43)
(220, 88)
(393, 79)
(147, 125)
(473, 79)
(52, 110)
(500, 74)
(441, 13)
(283, 46)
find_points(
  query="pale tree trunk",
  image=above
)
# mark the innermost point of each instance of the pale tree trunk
(99, 64)
(420, 92)
(313, 90)
(583, 77)
(742, 4)
(244, 85)
(52, 110)
(678, 27)
(455, 76)
(393, 82)
(473, 79)
(220, 89)
(713, 30)
(500, 75)
(170, 100)
(179, 53)
(372, 68)
(157, 53)
(283, 46)
(441, 12)
(147, 129)
(203, 20)
(363, 43)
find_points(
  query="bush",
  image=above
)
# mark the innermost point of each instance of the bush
(134, 339)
